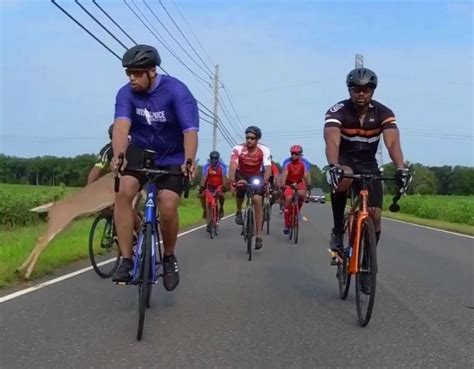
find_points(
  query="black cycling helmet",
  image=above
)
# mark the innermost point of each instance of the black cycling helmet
(214, 155)
(255, 130)
(361, 77)
(110, 130)
(141, 56)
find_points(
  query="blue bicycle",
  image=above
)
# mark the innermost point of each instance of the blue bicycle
(148, 254)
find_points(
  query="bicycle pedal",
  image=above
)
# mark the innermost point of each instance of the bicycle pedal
(335, 257)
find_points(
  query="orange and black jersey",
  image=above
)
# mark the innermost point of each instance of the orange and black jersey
(360, 136)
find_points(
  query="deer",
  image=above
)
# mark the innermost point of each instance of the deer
(88, 200)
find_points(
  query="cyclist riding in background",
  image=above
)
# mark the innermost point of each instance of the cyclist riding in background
(352, 132)
(160, 114)
(103, 159)
(274, 182)
(214, 175)
(248, 161)
(295, 176)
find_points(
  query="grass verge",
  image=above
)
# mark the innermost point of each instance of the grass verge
(453, 227)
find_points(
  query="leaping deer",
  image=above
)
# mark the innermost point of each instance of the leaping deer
(89, 200)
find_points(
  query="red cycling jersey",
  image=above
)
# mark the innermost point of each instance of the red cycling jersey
(295, 172)
(214, 175)
(250, 163)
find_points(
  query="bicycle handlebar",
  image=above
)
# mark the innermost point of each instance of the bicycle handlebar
(159, 172)
(394, 207)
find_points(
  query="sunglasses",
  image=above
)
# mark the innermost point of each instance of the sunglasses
(137, 73)
(365, 90)
(295, 153)
(252, 138)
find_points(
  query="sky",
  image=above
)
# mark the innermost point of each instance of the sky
(283, 64)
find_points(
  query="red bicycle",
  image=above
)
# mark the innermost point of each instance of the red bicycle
(294, 216)
(211, 194)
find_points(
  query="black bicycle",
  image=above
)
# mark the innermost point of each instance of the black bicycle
(104, 251)
(248, 227)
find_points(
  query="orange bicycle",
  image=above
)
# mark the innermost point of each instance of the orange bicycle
(359, 255)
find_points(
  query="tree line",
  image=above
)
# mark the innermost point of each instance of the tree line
(65, 171)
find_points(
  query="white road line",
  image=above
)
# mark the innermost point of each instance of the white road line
(433, 229)
(77, 272)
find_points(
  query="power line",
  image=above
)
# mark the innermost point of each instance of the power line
(154, 33)
(192, 32)
(225, 111)
(175, 40)
(184, 36)
(85, 29)
(100, 24)
(113, 21)
(232, 106)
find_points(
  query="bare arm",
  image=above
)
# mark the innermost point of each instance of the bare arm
(332, 136)
(283, 177)
(232, 170)
(203, 180)
(391, 138)
(268, 173)
(190, 144)
(120, 136)
(307, 177)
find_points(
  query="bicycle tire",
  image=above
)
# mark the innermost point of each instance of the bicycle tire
(215, 219)
(268, 216)
(144, 280)
(249, 231)
(209, 219)
(296, 223)
(343, 277)
(367, 249)
(105, 244)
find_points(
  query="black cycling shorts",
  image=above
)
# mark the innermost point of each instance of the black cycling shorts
(376, 188)
(134, 156)
(241, 190)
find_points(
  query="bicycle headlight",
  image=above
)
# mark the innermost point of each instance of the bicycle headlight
(256, 181)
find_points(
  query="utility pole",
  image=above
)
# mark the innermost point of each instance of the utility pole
(216, 102)
(359, 61)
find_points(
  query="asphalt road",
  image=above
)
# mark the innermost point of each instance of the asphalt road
(281, 310)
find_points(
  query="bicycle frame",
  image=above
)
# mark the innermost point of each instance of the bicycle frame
(150, 216)
(361, 206)
(355, 233)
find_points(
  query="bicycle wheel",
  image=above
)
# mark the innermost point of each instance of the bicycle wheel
(103, 246)
(296, 223)
(366, 277)
(292, 222)
(343, 277)
(215, 219)
(209, 220)
(267, 213)
(249, 232)
(144, 280)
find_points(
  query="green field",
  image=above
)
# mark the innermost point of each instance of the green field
(16, 200)
(452, 209)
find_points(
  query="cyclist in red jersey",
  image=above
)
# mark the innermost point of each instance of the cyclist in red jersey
(248, 161)
(213, 176)
(295, 176)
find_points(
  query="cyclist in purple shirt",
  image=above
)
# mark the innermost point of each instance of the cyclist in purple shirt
(160, 114)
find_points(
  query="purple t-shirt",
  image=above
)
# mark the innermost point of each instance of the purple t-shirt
(159, 117)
